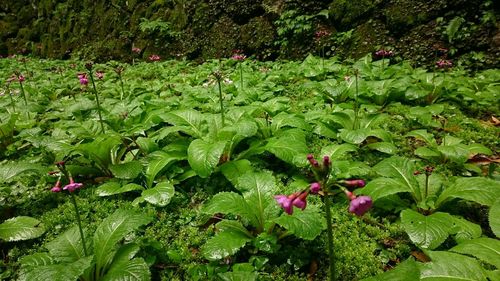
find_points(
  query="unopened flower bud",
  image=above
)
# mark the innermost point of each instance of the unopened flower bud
(326, 161)
(354, 183)
(315, 187)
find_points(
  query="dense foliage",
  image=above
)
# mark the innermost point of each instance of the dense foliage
(174, 169)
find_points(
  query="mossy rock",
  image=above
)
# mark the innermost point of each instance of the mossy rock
(222, 39)
(257, 35)
(347, 13)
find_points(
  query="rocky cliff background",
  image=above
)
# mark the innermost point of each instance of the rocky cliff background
(267, 29)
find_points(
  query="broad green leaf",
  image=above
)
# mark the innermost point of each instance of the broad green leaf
(290, 147)
(457, 153)
(382, 187)
(187, 120)
(100, 149)
(232, 170)
(54, 272)
(423, 135)
(385, 147)
(354, 136)
(21, 228)
(405, 271)
(453, 27)
(476, 148)
(160, 195)
(128, 170)
(465, 230)
(11, 170)
(446, 266)
(426, 153)
(233, 226)
(113, 187)
(36, 259)
(224, 244)
(258, 190)
(230, 203)
(306, 224)
(485, 249)
(128, 270)
(480, 190)
(400, 169)
(450, 141)
(146, 145)
(427, 232)
(494, 218)
(344, 169)
(159, 161)
(204, 156)
(435, 183)
(338, 151)
(112, 230)
(239, 276)
(284, 119)
(67, 247)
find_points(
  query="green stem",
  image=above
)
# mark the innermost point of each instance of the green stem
(97, 101)
(73, 200)
(356, 109)
(220, 100)
(329, 228)
(25, 99)
(121, 84)
(426, 185)
(241, 76)
(11, 100)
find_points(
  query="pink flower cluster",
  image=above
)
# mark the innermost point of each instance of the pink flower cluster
(238, 55)
(99, 74)
(71, 186)
(154, 58)
(444, 64)
(359, 205)
(322, 34)
(382, 53)
(136, 50)
(83, 79)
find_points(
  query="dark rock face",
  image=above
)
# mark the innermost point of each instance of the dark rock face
(268, 29)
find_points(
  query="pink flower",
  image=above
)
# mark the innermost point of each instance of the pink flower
(384, 53)
(315, 187)
(301, 201)
(57, 187)
(72, 186)
(285, 203)
(21, 78)
(136, 50)
(354, 183)
(312, 161)
(443, 64)
(99, 74)
(320, 34)
(154, 58)
(326, 161)
(239, 57)
(360, 205)
(83, 79)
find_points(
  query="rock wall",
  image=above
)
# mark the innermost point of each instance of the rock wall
(267, 29)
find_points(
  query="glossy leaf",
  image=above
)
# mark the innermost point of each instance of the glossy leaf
(232, 170)
(204, 156)
(338, 151)
(21, 228)
(112, 230)
(405, 271)
(485, 249)
(494, 218)
(400, 169)
(385, 147)
(160, 195)
(427, 232)
(224, 243)
(446, 266)
(159, 161)
(480, 190)
(290, 147)
(128, 170)
(13, 169)
(113, 188)
(382, 187)
(230, 203)
(306, 224)
(67, 247)
(31, 270)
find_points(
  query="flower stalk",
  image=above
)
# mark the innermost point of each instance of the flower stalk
(99, 109)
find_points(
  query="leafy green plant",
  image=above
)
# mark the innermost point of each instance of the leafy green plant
(106, 260)
(258, 217)
(21, 228)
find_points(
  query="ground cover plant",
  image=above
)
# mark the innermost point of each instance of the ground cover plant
(236, 169)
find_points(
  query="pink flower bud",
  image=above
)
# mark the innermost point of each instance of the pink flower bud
(354, 183)
(315, 187)
(326, 161)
